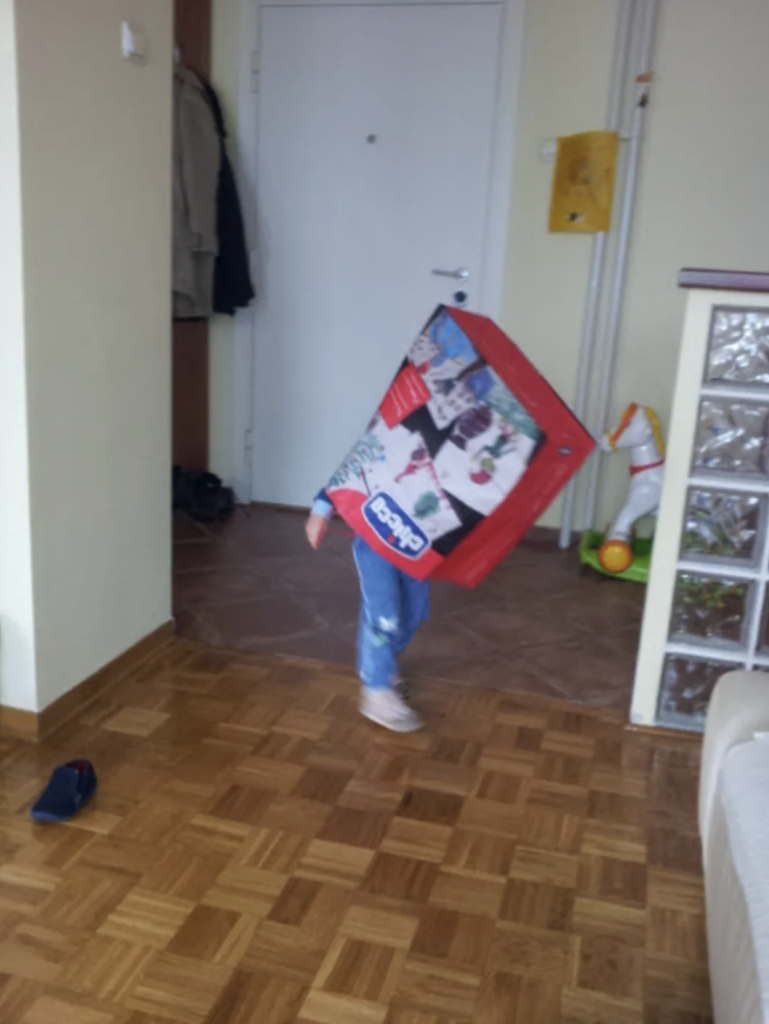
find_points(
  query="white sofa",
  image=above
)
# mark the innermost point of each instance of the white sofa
(734, 825)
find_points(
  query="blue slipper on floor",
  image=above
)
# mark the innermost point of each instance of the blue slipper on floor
(70, 787)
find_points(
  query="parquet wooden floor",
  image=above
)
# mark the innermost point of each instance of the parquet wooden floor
(257, 854)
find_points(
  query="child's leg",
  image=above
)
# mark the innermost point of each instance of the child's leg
(415, 608)
(381, 628)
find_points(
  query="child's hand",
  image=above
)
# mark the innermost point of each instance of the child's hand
(315, 528)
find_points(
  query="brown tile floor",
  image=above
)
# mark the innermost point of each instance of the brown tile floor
(258, 854)
(538, 624)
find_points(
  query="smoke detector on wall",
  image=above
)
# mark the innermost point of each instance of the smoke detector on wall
(133, 43)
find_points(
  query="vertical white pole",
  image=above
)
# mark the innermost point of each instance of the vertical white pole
(643, 86)
(598, 254)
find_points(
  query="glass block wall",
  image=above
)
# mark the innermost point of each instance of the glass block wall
(720, 613)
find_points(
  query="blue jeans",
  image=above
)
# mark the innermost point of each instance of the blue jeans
(392, 606)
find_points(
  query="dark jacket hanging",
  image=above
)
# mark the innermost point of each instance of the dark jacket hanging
(232, 277)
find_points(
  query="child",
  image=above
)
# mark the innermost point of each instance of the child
(392, 606)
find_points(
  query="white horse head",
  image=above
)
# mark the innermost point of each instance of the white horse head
(639, 428)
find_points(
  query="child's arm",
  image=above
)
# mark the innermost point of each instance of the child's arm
(317, 522)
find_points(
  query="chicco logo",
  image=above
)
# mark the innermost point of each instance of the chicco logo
(391, 524)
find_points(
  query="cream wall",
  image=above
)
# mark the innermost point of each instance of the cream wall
(17, 640)
(703, 194)
(96, 172)
(701, 197)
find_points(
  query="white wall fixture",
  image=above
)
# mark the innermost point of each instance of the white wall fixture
(133, 43)
(598, 255)
(547, 150)
(643, 85)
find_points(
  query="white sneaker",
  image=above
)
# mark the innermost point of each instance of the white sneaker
(388, 709)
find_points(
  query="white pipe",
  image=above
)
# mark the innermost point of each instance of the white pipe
(643, 85)
(598, 254)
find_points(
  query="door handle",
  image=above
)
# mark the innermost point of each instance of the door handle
(455, 275)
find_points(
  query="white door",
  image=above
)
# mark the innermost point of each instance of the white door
(374, 161)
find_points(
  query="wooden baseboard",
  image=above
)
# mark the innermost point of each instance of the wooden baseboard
(19, 724)
(665, 732)
(33, 727)
(549, 535)
(275, 506)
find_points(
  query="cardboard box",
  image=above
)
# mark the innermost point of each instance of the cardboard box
(466, 451)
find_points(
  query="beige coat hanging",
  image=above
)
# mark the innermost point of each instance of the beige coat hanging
(196, 159)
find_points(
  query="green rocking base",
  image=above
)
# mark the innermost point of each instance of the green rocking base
(637, 572)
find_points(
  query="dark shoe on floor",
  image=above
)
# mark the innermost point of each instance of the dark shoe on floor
(70, 787)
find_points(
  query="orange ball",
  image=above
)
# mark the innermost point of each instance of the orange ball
(615, 556)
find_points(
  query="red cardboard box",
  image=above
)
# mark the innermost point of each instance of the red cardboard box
(467, 449)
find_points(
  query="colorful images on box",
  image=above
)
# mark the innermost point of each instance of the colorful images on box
(447, 445)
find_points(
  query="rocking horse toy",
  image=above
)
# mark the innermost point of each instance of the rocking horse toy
(617, 553)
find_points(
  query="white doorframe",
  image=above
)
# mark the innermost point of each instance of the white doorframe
(497, 213)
